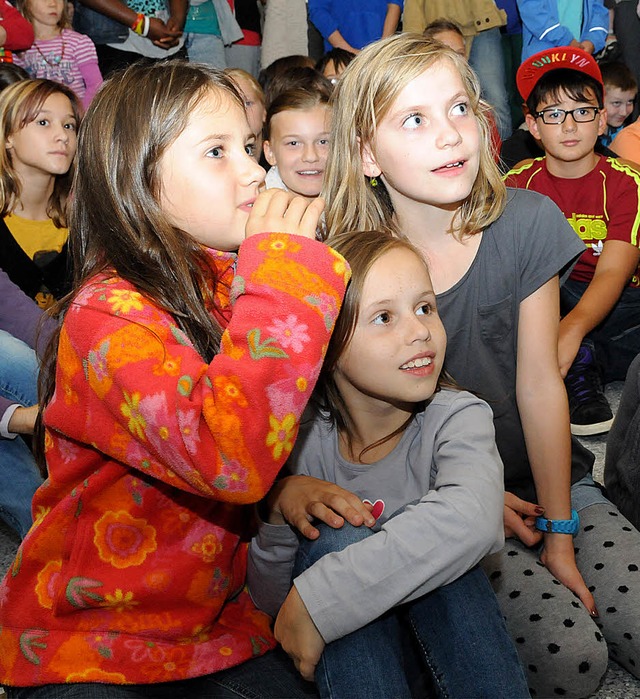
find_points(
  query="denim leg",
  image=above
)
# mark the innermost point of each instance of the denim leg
(617, 337)
(368, 662)
(487, 60)
(245, 57)
(18, 370)
(270, 676)
(19, 475)
(206, 48)
(465, 642)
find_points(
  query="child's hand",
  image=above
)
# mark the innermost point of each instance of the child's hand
(300, 499)
(519, 520)
(161, 35)
(559, 558)
(297, 634)
(277, 211)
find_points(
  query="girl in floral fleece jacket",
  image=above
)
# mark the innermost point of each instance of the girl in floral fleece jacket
(171, 399)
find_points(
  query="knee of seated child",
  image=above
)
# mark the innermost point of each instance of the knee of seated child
(329, 541)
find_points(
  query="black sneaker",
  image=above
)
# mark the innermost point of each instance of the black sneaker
(589, 410)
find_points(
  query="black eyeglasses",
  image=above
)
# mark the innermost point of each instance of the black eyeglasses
(581, 115)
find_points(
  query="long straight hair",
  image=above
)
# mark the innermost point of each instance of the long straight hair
(363, 96)
(361, 249)
(117, 224)
(20, 104)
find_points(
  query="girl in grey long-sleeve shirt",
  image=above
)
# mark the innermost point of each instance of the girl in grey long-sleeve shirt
(426, 460)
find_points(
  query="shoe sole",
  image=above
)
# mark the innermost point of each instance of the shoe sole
(590, 430)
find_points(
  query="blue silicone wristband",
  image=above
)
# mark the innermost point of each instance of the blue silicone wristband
(559, 526)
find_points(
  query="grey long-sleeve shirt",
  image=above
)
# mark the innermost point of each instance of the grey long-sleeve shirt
(448, 462)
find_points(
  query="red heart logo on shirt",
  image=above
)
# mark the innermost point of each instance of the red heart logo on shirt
(377, 507)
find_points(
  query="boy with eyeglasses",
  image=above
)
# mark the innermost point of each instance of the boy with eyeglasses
(600, 196)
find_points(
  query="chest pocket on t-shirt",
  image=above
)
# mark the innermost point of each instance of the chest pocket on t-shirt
(496, 322)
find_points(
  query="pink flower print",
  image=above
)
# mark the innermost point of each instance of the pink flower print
(235, 475)
(290, 395)
(68, 450)
(144, 650)
(290, 333)
(188, 422)
(98, 361)
(327, 306)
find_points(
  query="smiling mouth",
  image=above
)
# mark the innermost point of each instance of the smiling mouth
(417, 363)
(307, 173)
(451, 166)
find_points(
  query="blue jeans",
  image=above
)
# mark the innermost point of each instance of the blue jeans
(617, 337)
(487, 59)
(459, 633)
(271, 676)
(207, 49)
(19, 475)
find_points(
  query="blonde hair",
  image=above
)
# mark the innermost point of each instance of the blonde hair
(237, 74)
(63, 23)
(364, 95)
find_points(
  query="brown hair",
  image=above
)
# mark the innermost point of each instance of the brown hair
(363, 96)
(361, 249)
(63, 23)
(299, 98)
(441, 25)
(20, 104)
(117, 224)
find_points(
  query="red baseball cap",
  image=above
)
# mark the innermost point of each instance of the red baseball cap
(545, 61)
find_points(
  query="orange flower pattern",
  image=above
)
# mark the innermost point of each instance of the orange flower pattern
(134, 571)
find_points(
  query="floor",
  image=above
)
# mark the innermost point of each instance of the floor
(617, 684)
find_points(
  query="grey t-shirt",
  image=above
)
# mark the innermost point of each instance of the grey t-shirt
(447, 464)
(528, 245)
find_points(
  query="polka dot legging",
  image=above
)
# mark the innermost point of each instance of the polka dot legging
(563, 649)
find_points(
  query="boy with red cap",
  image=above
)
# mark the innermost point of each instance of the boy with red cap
(600, 196)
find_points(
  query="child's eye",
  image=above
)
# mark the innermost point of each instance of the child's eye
(70, 125)
(292, 143)
(250, 149)
(413, 121)
(461, 109)
(248, 104)
(42, 122)
(425, 309)
(324, 141)
(382, 318)
(215, 152)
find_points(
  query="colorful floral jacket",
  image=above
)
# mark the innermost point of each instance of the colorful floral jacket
(134, 570)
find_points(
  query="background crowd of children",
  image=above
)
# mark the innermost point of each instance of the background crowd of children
(167, 328)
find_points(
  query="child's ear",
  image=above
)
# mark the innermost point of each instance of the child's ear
(532, 123)
(268, 153)
(602, 117)
(369, 163)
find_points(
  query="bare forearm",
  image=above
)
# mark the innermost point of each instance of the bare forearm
(114, 9)
(391, 20)
(596, 303)
(339, 42)
(544, 412)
